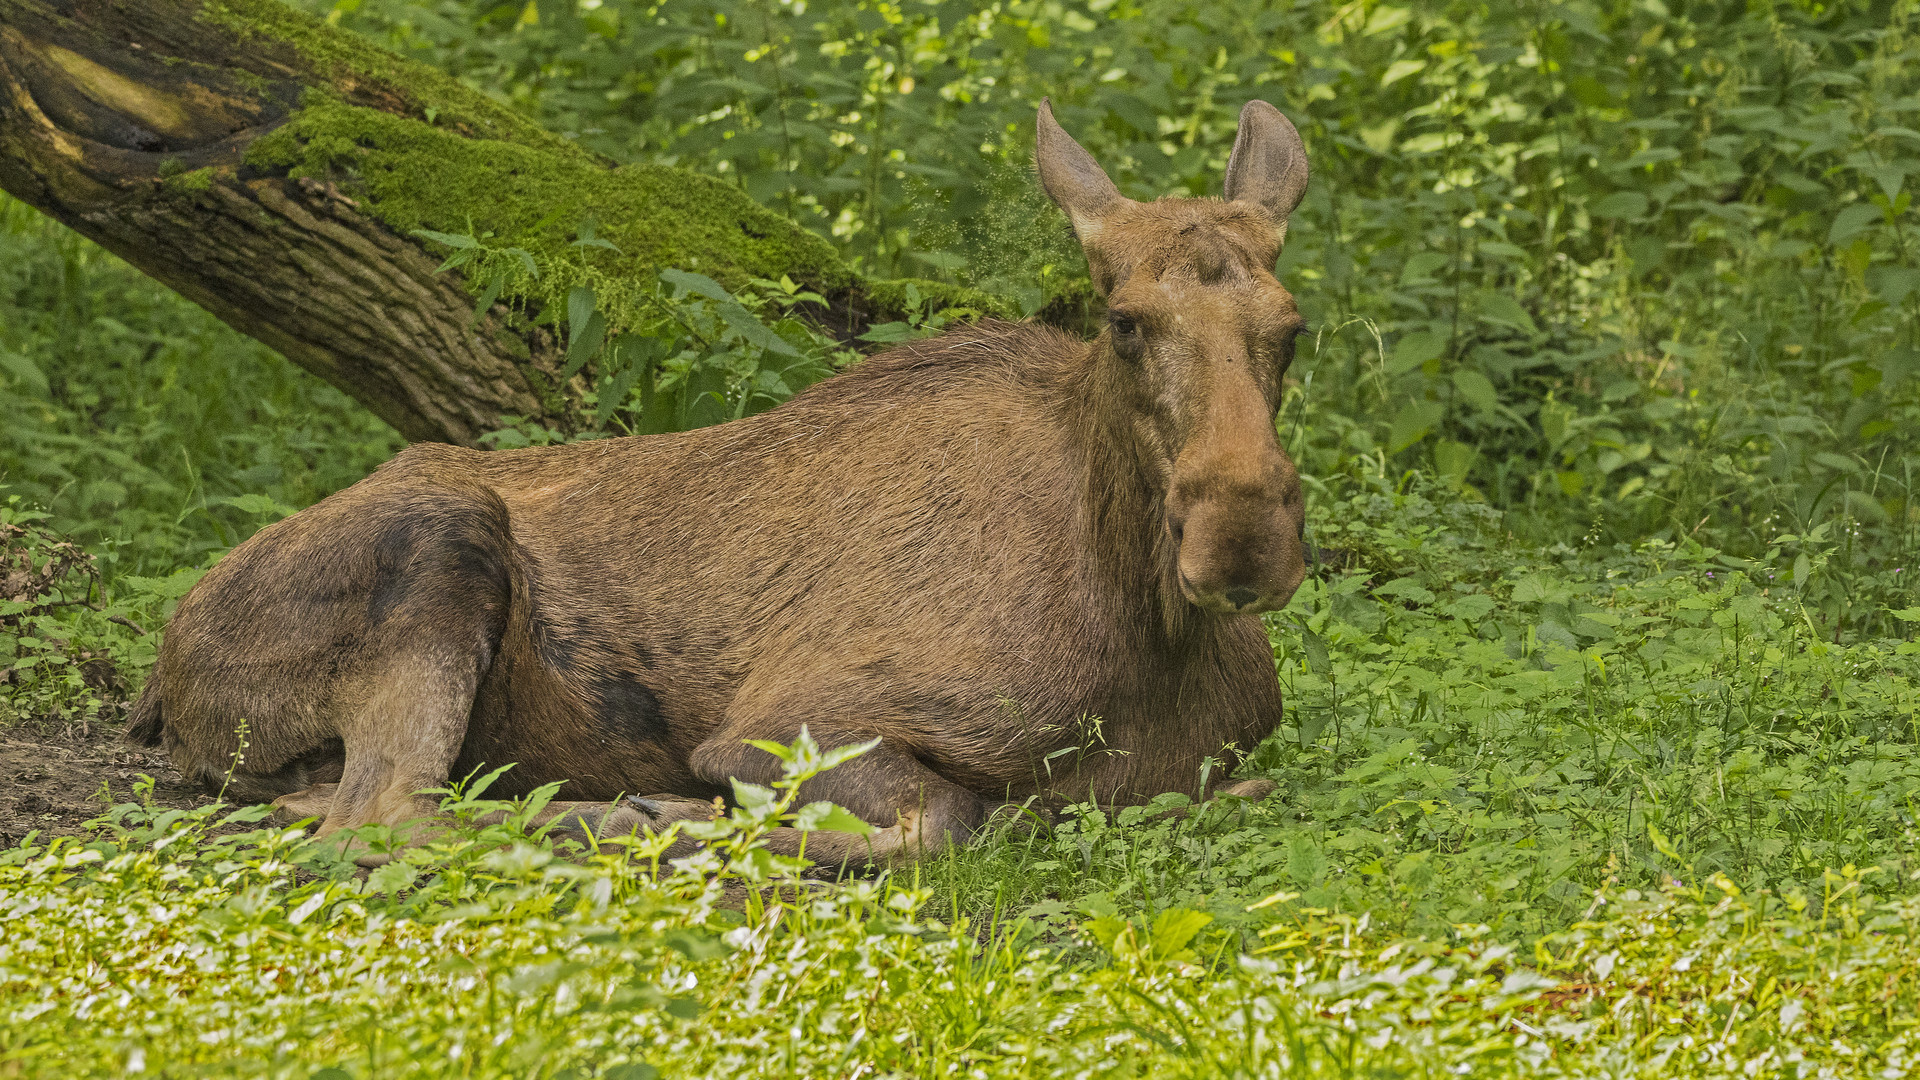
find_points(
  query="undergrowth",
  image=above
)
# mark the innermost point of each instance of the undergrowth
(172, 943)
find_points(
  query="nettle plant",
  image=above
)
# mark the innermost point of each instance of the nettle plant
(70, 642)
(666, 349)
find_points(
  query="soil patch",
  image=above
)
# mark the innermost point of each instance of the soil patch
(55, 781)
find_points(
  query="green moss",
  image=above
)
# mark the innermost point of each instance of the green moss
(197, 180)
(413, 175)
(890, 296)
(346, 59)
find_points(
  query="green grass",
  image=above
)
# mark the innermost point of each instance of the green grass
(172, 945)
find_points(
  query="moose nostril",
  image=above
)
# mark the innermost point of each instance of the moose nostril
(1241, 596)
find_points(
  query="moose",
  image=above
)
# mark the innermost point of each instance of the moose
(968, 548)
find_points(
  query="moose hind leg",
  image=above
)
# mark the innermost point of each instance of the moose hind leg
(437, 611)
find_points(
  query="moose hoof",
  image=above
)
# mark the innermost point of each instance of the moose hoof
(315, 802)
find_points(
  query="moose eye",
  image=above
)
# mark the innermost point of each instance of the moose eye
(1127, 340)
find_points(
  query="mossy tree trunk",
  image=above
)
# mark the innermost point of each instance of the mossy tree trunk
(273, 169)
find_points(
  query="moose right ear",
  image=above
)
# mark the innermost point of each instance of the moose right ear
(1268, 166)
(1072, 179)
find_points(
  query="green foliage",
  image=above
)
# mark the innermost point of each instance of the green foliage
(135, 417)
(691, 353)
(1616, 265)
(179, 942)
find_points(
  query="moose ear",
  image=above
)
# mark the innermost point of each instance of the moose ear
(1269, 163)
(1073, 180)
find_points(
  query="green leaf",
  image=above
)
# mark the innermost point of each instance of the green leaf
(1412, 423)
(1406, 588)
(1477, 389)
(1853, 221)
(888, 333)
(632, 1070)
(1316, 652)
(255, 504)
(390, 878)
(695, 944)
(1620, 204)
(1306, 862)
(1502, 308)
(487, 297)
(1532, 589)
(1400, 69)
(1174, 929)
(1661, 843)
(580, 307)
(840, 754)
(777, 749)
(587, 239)
(1415, 349)
(586, 344)
(1106, 930)
(698, 284)
(1469, 608)
(753, 797)
(26, 371)
(170, 587)
(452, 240)
(753, 330)
(615, 394)
(825, 816)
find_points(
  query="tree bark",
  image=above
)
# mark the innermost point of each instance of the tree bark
(272, 169)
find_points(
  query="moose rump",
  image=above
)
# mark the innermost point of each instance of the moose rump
(980, 549)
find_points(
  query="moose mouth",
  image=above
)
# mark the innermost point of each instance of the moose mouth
(1232, 600)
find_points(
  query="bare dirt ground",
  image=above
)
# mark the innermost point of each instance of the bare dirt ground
(55, 779)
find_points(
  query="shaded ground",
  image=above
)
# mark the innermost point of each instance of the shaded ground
(53, 780)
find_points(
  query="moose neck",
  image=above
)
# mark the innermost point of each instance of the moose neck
(1122, 496)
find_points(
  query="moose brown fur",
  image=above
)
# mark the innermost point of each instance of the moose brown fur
(965, 547)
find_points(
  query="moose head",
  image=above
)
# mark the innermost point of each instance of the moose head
(1199, 335)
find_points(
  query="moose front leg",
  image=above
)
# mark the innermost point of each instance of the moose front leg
(914, 810)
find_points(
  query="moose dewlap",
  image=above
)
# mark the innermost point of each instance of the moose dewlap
(976, 548)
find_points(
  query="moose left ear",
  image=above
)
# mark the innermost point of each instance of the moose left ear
(1269, 163)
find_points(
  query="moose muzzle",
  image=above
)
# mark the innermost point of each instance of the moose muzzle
(1235, 515)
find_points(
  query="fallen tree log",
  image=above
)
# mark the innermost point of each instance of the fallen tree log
(279, 172)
